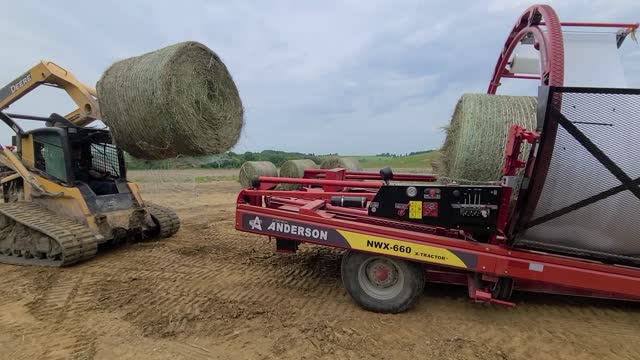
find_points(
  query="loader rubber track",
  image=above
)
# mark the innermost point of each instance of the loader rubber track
(75, 242)
(165, 219)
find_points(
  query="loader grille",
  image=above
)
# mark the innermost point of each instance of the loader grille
(106, 158)
(588, 204)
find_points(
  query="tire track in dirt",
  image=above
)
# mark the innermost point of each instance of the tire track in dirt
(183, 295)
(63, 308)
(600, 325)
(13, 288)
(189, 352)
(186, 288)
(45, 318)
(55, 300)
(552, 327)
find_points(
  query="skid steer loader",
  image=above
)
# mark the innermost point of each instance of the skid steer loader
(65, 190)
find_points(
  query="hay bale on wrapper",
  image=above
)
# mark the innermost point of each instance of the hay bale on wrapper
(251, 169)
(340, 162)
(179, 100)
(295, 169)
(477, 135)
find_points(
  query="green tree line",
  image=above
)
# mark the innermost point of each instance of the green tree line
(229, 159)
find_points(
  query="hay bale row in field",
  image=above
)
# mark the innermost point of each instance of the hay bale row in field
(476, 137)
(179, 100)
(251, 169)
(295, 169)
(341, 162)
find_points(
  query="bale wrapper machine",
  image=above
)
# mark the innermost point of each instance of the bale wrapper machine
(563, 219)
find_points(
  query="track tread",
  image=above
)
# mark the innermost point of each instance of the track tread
(78, 242)
(166, 218)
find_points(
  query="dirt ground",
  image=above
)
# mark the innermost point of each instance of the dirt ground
(213, 293)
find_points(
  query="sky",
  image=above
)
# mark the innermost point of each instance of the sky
(349, 77)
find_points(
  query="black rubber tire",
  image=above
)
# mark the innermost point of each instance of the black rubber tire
(412, 287)
(502, 289)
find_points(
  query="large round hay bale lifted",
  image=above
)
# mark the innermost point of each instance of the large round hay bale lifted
(179, 100)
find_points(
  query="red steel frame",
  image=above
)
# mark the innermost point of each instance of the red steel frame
(531, 270)
(549, 43)
(559, 274)
(364, 175)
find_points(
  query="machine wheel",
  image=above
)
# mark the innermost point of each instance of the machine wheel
(502, 289)
(382, 284)
(166, 221)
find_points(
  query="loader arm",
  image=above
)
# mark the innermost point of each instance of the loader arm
(49, 73)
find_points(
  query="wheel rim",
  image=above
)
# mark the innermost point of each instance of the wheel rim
(381, 278)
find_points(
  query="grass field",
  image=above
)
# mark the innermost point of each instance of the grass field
(418, 162)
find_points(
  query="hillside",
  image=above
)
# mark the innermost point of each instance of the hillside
(420, 160)
(417, 161)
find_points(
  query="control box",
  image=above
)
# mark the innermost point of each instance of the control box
(471, 208)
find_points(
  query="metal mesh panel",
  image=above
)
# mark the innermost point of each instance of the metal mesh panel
(578, 212)
(104, 158)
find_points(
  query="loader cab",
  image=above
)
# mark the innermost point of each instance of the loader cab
(79, 157)
(46, 150)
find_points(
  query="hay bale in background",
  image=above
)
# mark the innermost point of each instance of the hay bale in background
(179, 100)
(477, 135)
(340, 162)
(295, 169)
(251, 169)
(436, 166)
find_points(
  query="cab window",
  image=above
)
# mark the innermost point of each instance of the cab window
(49, 156)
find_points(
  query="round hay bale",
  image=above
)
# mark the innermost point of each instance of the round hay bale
(477, 135)
(179, 100)
(295, 169)
(436, 166)
(251, 169)
(334, 162)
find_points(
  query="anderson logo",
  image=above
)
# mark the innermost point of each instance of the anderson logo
(256, 224)
(292, 229)
(298, 230)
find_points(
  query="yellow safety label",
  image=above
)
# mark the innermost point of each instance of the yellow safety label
(415, 209)
(387, 246)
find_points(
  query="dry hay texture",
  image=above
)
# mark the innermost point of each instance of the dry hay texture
(477, 135)
(295, 169)
(340, 162)
(251, 169)
(179, 100)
